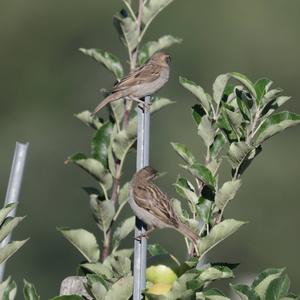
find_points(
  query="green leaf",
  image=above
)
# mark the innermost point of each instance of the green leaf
(215, 273)
(101, 142)
(124, 252)
(122, 231)
(29, 291)
(201, 172)
(99, 269)
(274, 105)
(7, 251)
(184, 153)
(6, 210)
(151, 47)
(8, 226)
(226, 193)
(157, 249)
(263, 280)
(123, 194)
(245, 292)
(183, 215)
(103, 212)
(118, 110)
(218, 145)
(124, 140)
(270, 96)
(84, 241)
(218, 233)
(246, 82)
(275, 124)
(197, 91)
(204, 209)
(94, 168)
(157, 103)
(226, 127)
(120, 264)
(128, 31)
(152, 8)
(179, 287)
(186, 190)
(8, 289)
(219, 87)
(235, 119)
(213, 165)
(108, 60)
(69, 297)
(198, 112)
(211, 295)
(88, 119)
(206, 131)
(237, 153)
(97, 286)
(261, 87)
(121, 290)
(278, 288)
(243, 104)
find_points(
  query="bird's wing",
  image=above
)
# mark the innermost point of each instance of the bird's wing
(144, 74)
(152, 199)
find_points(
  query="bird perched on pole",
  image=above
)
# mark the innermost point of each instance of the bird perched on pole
(152, 206)
(142, 82)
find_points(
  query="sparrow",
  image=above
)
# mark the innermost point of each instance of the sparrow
(152, 206)
(142, 82)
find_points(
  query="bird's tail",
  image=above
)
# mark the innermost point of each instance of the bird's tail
(187, 231)
(108, 99)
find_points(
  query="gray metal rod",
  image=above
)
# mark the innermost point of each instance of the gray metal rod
(140, 246)
(14, 187)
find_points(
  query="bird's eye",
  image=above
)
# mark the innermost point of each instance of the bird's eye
(168, 59)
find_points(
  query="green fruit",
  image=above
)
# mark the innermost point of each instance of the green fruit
(160, 274)
(159, 289)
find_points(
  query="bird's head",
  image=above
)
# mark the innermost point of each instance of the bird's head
(147, 173)
(161, 58)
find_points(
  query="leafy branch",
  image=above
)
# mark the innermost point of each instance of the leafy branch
(233, 124)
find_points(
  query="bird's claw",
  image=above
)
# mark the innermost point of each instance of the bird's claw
(146, 107)
(140, 236)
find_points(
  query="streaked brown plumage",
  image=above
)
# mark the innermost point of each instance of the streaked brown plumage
(152, 206)
(144, 81)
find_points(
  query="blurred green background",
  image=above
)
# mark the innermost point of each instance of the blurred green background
(44, 80)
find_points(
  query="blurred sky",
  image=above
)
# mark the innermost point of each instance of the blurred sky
(44, 80)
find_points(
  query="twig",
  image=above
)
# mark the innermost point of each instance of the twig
(133, 61)
(114, 196)
(139, 25)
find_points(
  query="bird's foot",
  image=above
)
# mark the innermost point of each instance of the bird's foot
(145, 106)
(142, 235)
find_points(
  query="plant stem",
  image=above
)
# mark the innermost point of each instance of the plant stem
(114, 197)
(128, 107)
(133, 61)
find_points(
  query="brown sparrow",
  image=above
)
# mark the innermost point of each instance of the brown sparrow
(152, 206)
(142, 82)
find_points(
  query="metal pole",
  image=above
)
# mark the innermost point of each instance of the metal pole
(14, 187)
(140, 246)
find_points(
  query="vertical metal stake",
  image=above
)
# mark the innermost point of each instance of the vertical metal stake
(140, 246)
(14, 187)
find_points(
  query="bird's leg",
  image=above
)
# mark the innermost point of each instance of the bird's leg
(144, 234)
(146, 106)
